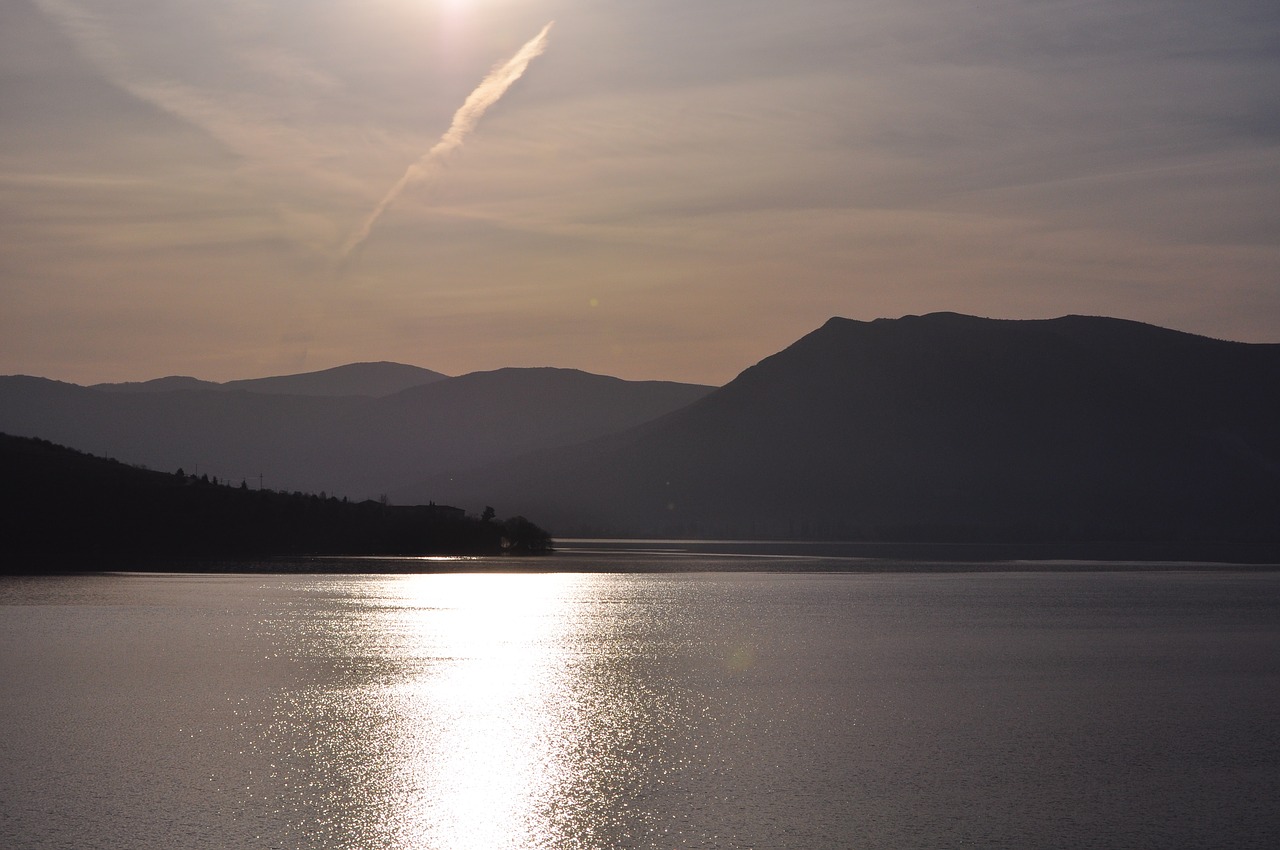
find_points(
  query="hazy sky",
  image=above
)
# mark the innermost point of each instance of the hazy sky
(673, 189)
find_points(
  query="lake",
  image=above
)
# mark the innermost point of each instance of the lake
(1012, 707)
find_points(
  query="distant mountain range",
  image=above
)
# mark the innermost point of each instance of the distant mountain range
(331, 440)
(937, 427)
(354, 379)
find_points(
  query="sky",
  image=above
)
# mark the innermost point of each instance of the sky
(666, 190)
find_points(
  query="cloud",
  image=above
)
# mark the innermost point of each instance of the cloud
(490, 90)
(729, 171)
(247, 124)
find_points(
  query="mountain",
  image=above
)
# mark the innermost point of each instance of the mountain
(226, 434)
(368, 379)
(348, 445)
(488, 417)
(160, 385)
(940, 427)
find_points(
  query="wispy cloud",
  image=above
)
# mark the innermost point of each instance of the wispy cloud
(491, 88)
(85, 29)
(241, 123)
(284, 153)
(220, 166)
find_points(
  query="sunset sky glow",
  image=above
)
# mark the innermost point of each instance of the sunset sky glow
(670, 190)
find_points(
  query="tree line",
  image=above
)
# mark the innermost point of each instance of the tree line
(68, 510)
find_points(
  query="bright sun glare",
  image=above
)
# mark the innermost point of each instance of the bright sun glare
(481, 743)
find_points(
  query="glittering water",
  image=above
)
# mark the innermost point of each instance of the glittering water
(726, 710)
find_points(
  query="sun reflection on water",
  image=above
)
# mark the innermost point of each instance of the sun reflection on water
(495, 711)
(478, 732)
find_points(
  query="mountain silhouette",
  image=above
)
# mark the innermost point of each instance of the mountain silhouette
(932, 428)
(421, 436)
(167, 384)
(941, 427)
(350, 445)
(368, 379)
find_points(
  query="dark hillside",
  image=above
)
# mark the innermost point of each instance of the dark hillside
(487, 416)
(64, 510)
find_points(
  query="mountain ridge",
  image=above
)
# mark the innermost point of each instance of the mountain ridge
(359, 446)
(371, 378)
(941, 425)
(933, 427)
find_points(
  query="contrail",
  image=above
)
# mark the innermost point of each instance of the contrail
(465, 119)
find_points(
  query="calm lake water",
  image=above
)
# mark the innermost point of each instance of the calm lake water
(613, 710)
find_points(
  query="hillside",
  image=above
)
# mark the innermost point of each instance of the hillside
(65, 510)
(486, 417)
(942, 427)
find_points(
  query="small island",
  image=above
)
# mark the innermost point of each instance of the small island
(67, 511)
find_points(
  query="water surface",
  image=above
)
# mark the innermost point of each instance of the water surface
(582, 710)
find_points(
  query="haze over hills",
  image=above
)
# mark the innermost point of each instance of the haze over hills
(941, 427)
(341, 444)
(369, 379)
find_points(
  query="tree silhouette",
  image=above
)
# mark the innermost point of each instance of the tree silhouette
(521, 535)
